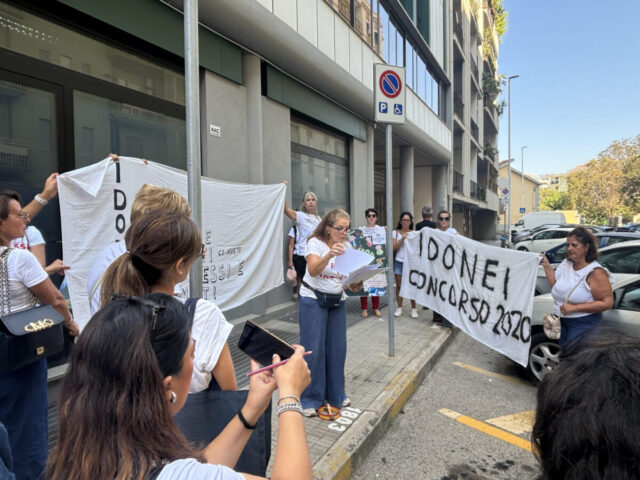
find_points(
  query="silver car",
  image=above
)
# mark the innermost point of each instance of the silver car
(621, 257)
(623, 317)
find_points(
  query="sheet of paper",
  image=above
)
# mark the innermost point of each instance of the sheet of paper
(363, 273)
(351, 260)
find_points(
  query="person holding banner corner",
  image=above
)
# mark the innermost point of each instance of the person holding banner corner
(580, 286)
(405, 225)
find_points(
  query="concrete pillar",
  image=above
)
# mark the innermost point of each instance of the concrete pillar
(358, 180)
(440, 186)
(253, 85)
(406, 179)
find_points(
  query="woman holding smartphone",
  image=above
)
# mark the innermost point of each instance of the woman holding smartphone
(323, 319)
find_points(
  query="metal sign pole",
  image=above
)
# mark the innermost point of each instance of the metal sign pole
(192, 103)
(390, 278)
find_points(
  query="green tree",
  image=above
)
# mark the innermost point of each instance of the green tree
(551, 199)
(609, 184)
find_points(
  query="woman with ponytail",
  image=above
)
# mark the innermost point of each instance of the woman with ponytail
(161, 248)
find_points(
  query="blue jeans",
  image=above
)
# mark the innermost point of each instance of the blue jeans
(573, 327)
(23, 410)
(324, 331)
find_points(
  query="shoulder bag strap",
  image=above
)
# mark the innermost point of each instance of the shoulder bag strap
(574, 288)
(5, 302)
(155, 472)
(96, 285)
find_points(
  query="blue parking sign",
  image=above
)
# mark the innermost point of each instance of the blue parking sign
(382, 107)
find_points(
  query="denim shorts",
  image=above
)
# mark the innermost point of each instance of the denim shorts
(397, 267)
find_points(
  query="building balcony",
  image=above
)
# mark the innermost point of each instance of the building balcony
(475, 131)
(458, 105)
(478, 191)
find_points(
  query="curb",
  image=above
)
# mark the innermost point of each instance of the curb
(356, 443)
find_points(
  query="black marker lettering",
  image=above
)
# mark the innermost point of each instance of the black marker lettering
(471, 272)
(435, 245)
(488, 273)
(452, 296)
(449, 248)
(505, 288)
(442, 284)
(464, 298)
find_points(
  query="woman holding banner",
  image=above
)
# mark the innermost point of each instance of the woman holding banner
(307, 220)
(323, 319)
(405, 225)
(581, 287)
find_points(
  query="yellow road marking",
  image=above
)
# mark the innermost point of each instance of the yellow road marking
(486, 428)
(518, 423)
(493, 374)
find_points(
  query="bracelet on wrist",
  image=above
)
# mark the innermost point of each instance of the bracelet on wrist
(289, 407)
(40, 200)
(244, 421)
(293, 397)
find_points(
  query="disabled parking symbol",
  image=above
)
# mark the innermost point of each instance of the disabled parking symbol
(382, 107)
(397, 108)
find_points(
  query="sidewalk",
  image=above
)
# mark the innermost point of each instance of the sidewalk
(378, 385)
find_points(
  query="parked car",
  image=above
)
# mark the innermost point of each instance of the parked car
(544, 240)
(527, 233)
(620, 253)
(629, 227)
(624, 316)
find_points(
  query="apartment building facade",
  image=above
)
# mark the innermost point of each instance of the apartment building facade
(286, 93)
(475, 118)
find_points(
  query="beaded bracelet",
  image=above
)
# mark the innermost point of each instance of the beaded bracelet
(289, 406)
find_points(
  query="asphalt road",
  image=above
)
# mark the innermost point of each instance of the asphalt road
(469, 420)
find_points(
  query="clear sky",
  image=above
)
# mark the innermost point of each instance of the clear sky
(579, 85)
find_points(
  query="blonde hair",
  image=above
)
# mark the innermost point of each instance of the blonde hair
(150, 197)
(304, 199)
(322, 230)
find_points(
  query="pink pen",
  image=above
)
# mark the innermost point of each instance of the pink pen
(274, 365)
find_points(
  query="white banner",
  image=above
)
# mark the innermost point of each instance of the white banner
(241, 227)
(485, 291)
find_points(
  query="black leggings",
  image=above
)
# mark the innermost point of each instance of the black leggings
(300, 264)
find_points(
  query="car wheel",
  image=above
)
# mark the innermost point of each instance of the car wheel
(543, 355)
(523, 249)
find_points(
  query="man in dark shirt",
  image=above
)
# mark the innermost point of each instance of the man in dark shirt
(427, 215)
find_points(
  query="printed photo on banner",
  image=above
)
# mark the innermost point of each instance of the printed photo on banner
(372, 240)
(95, 202)
(485, 291)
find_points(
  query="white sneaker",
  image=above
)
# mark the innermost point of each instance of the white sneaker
(309, 412)
(346, 402)
(397, 312)
(414, 313)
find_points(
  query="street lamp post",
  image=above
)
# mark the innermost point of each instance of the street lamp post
(509, 154)
(522, 176)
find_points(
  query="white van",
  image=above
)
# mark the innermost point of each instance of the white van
(534, 219)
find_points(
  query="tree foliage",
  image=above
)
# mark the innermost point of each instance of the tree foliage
(551, 199)
(609, 184)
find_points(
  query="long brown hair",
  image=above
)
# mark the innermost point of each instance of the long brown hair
(114, 419)
(322, 230)
(155, 242)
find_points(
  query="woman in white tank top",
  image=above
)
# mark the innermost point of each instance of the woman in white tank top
(581, 287)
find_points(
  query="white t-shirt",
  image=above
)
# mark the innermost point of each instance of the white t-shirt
(566, 279)
(99, 267)
(399, 257)
(328, 280)
(307, 223)
(191, 469)
(24, 271)
(31, 238)
(210, 331)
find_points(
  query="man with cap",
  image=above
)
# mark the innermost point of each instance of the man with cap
(427, 215)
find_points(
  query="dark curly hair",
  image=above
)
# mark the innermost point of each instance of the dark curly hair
(588, 416)
(585, 237)
(399, 227)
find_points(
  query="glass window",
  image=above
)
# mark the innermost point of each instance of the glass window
(38, 38)
(631, 299)
(103, 126)
(621, 260)
(410, 73)
(319, 164)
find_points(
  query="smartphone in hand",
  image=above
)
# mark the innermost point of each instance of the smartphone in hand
(260, 344)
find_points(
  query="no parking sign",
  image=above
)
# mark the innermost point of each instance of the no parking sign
(389, 98)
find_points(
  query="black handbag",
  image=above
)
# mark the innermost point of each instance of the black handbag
(205, 414)
(28, 335)
(326, 300)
